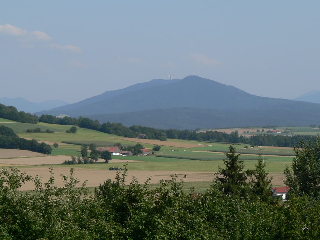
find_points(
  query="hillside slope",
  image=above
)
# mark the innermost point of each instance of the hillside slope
(77, 109)
(190, 92)
(192, 118)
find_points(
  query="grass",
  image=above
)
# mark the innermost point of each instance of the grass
(182, 159)
(68, 150)
(184, 165)
(22, 127)
(5, 120)
(82, 135)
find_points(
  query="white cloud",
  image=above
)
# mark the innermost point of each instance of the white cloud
(203, 59)
(12, 30)
(16, 31)
(41, 36)
(67, 47)
(35, 35)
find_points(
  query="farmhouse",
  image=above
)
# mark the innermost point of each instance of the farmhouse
(126, 153)
(274, 131)
(280, 192)
(115, 151)
(145, 151)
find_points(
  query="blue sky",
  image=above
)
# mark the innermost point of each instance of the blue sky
(71, 50)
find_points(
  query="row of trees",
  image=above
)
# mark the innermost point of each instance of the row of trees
(94, 153)
(38, 130)
(9, 140)
(11, 113)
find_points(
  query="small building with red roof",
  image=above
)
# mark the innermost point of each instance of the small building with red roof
(115, 150)
(280, 192)
(145, 151)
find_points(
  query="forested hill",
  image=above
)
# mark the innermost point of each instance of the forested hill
(192, 102)
(76, 108)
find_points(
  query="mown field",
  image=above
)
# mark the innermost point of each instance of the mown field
(174, 155)
(2, 120)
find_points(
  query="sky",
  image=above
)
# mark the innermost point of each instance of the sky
(72, 50)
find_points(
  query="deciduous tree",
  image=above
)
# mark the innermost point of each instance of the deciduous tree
(106, 155)
(304, 175)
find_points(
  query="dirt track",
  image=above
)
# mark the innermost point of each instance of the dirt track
(15, 153)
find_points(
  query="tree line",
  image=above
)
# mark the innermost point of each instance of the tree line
(9, 140)
(11, 113)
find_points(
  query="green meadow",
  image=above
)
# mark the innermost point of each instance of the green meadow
(204, 157)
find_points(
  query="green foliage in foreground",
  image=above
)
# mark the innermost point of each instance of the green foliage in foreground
(304, 175)
(116, 211)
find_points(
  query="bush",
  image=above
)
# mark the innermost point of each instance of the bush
(56, 145)
(156, 148)
(73, 129)
(79, 160)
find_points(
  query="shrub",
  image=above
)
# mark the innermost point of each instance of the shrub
(156, 148)
(73, 129)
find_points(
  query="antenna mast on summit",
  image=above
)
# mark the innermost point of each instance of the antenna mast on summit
(170, 77)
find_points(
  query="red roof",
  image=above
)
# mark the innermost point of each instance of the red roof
(110, 149)
(145, 150)
(281, 189)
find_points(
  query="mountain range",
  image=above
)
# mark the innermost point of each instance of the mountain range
(31, 107)
(189, 103)
(313, 97)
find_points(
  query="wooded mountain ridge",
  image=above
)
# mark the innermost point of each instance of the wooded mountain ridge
(189, 103)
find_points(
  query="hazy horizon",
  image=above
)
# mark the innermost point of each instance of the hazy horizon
(77, 49)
